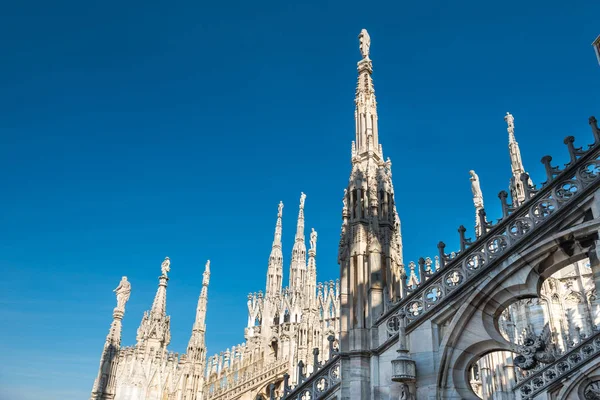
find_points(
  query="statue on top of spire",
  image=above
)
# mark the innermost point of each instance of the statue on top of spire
(302, 198)
(280, 209)
(313, 240)
(123, 292)
(475, 187)
(206, 274)
(365, 43)
(165, 266)
(510, 120)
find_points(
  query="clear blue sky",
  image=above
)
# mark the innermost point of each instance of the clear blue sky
(131, 131)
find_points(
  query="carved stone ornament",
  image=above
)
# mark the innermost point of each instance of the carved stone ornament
(534, 350)
(592, 391)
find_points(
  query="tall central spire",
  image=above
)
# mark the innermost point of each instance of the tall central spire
(298, 265)
(370, 252)
(275, 269)
(365, 113)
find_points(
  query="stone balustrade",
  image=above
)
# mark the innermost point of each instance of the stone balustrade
(561, 369)
(581, 174)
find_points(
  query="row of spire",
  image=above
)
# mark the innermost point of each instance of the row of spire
(302, 273)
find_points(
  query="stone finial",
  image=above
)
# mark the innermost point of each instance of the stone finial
(365, 43)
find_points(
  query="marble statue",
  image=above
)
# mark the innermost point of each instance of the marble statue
(345, 199)
(280, 209)
(302, 198)
(123, 292)
(165, 266)
(365, 43)
(313, 239)
(510, 120)
(475, 188)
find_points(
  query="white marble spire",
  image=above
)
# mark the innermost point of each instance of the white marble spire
(275, 269)
(195, 350)
(155, 329)
(298, 264)
(365, 113)
(311, 273)
(105, 383)
(516, 164)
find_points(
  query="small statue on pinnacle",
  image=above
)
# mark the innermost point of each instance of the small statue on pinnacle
(313, 240)
(123, 291)
(165, 266)
(280, 209)
(475, 187)
(365, 43)
(302, 198)
(510, 120)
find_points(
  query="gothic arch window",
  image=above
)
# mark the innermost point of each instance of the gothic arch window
(286, 316)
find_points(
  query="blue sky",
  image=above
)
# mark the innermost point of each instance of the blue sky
(131, 131)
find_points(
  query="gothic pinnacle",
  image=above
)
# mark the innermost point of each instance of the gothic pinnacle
(516, 164)
(367, 136)
(275, 268)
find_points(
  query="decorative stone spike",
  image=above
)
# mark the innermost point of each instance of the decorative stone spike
(551, 172)
(441, 246)
(525, 181)
(422, 275)
(503, 196)
(315, 359)
(573, 152)
(595, 130)
(483, 222)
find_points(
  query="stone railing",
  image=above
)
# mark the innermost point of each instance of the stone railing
(325, 378)
(563, 367)
(246, 381)
(498, 240)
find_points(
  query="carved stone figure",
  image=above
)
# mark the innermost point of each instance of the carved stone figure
(475, 188)
(313, 239)
(302, 198)
(345, 199)
(280, 209)
(404, 392)
(123, 291)
(165, 266)
(365, 43)
(510, 120)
